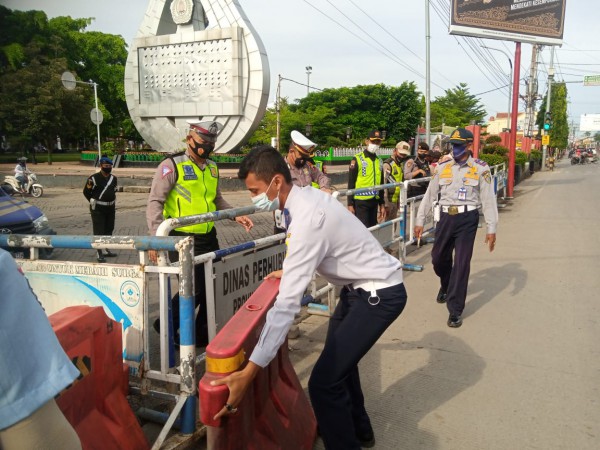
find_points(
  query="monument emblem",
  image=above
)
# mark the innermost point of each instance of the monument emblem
(211, 67)
(181, 11)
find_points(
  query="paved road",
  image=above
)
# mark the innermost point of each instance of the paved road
(523, 370)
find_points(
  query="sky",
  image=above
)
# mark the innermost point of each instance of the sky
(381, 41)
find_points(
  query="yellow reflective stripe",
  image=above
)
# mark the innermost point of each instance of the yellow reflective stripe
(225, 365)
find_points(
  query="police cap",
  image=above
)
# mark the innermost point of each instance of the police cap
(302, 144)
(208, 130)
(461, 136)
(375, 135)
(106, 160)
(403, 148)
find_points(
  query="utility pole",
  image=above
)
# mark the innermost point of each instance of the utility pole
(548, 98)
(308, 71)
(427, 77)
(531, 92)
(278, 110)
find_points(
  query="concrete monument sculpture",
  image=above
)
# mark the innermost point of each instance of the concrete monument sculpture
(196, 60)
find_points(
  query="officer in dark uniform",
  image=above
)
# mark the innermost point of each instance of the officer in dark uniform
(100, 190)
(459, 186)
(366, 169)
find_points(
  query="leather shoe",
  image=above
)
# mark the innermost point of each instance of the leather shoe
(101, 259)
(109, 254)
(367, 439)
(441, 297)
(454, 321)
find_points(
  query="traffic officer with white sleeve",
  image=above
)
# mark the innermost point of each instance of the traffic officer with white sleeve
(373, 296)
(459, 186)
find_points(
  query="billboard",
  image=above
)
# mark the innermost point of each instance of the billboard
(533, 21)
(589, 122)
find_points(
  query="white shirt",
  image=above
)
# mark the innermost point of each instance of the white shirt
(322, 236)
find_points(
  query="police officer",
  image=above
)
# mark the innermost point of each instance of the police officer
(186, 184)
(100, 190)
(366, 169)
(372, 298)
(418, 168)
(461, 185)
(304, 171)
(393, 173)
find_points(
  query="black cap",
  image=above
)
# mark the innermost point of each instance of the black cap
(423, 146)
(375, 135)
(461, 136)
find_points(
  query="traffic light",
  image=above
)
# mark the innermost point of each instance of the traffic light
(548, 121)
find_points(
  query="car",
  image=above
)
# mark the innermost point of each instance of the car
(19, 217)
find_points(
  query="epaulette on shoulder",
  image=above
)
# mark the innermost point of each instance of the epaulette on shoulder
(445, 162)
(481, 162)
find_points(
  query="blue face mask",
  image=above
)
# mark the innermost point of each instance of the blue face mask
(262, 202)
(458, 151)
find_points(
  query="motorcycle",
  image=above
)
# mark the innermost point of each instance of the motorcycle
(32, 188)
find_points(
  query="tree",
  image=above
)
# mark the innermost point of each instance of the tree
(559, 133)
(457, 107)
(34, 52)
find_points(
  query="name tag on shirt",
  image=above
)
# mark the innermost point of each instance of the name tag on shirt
(462, 194)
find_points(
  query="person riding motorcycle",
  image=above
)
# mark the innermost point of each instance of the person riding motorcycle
(21, 173)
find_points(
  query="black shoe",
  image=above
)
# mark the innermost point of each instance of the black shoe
(109, 254)
(454, 321)
(367, 440)
(101, 259)
(441, 297)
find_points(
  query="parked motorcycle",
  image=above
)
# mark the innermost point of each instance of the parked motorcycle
(32, 188)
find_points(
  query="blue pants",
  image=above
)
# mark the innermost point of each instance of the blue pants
(334, 384)
(454, 234)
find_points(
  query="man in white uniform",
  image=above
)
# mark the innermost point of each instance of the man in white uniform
(373, 296)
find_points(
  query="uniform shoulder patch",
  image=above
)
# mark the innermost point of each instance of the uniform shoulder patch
(481, 162)
(487, 176)
(166, 170)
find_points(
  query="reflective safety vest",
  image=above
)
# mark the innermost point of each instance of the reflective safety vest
(194, 193)
(318, 165)
(398, 175)
(369, 174)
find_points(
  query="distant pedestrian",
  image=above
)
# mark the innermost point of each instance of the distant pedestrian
(366, 169)
(100, 190)
(461, 185)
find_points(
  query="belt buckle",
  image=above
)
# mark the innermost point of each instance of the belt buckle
(453, 210)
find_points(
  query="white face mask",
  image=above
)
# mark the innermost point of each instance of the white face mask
(262, 202)
(372, 148)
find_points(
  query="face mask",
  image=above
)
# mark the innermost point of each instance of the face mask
(205, 147)
(262, 202)
(106, 169)
(299, 162)
(372, 148)
(459, 151)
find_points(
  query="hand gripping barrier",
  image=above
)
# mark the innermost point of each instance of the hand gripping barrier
(95, 403)
(275, 413)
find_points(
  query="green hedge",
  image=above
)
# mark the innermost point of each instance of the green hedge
(492, 159)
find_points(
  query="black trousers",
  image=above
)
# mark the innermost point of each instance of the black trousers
(454, 234)
(334, 384)
(103, 221)
(366, 211)
(203, 243)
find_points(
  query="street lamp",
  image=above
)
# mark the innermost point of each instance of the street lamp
(308, 129)
(383, 135)
(69, 82)
(348, 133)
(308, 72)
(508, 121)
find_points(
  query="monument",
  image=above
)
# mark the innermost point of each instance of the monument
(196, 60)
